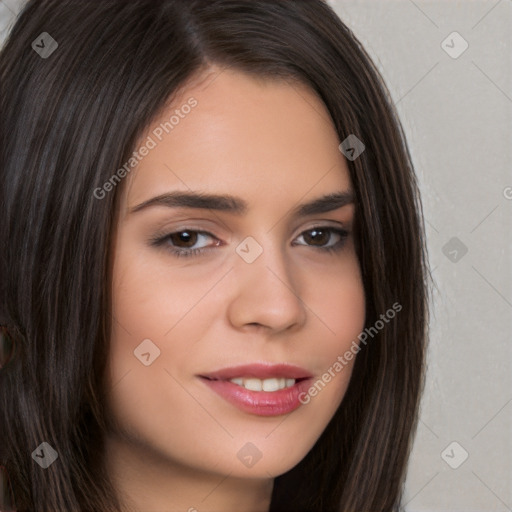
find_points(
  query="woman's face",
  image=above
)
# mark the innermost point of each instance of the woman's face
(265, 294)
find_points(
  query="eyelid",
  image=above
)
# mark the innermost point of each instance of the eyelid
(160, 240)
(160, 237)
(325, 223)
(164, 233)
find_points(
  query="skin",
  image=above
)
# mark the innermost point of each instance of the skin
(174, 442)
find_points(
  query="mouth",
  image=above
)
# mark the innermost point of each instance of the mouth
(260, 371)
(261, 389)
(269, 385)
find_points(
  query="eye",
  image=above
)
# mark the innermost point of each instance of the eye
(319, 236)
(183, 242)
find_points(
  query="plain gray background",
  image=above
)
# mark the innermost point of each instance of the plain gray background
(456, 108)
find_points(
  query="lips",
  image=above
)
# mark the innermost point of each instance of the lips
(261, 389)
(260, 371)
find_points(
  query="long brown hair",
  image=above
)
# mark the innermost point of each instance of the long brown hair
(69, 120)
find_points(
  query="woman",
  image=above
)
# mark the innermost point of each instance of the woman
(213, 271)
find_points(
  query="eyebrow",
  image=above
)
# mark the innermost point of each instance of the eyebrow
(237, 206)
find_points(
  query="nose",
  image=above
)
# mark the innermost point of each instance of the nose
(267, 293)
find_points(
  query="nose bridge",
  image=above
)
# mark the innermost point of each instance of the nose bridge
(267, 291)
(266, 263)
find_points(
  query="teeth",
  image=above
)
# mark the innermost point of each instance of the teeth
(273, 384)
(253, 384)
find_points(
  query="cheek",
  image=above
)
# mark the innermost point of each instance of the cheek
(343, 307)
(339, 298)
(150, 298)
(340, 308)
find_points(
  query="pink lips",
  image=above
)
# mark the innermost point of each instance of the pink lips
(261, 403)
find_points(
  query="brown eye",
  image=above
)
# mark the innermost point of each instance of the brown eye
(320, 236)
(184, 239)
(317, 236)
(186, 242)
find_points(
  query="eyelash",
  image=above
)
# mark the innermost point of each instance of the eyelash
(160, 241)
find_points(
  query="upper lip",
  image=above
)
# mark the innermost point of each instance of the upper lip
(259, 371)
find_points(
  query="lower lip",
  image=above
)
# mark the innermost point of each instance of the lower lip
(261, 403)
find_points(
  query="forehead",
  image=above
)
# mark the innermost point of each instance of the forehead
(256, 138)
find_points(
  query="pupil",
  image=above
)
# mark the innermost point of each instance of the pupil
(315, 238)
(184, 237)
